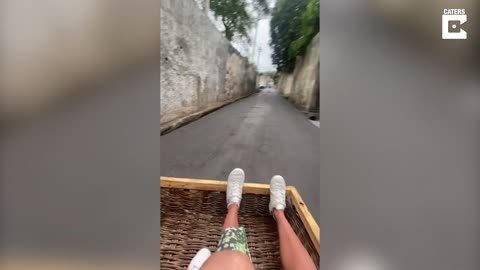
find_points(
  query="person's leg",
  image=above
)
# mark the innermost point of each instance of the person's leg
(293, 254)
(232, 252)
(231, 220)
(227, 259)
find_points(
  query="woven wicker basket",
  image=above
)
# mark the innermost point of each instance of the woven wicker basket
(192, 214)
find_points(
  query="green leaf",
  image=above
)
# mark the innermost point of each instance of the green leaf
(234, 15)
(293, 26)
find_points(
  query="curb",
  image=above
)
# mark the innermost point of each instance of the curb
(174, 124)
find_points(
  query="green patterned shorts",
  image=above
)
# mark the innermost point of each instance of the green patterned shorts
(234, 239)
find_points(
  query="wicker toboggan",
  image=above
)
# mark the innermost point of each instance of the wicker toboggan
(192, 214)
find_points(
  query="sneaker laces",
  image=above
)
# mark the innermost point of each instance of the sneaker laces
(278, 194)
(234, 189)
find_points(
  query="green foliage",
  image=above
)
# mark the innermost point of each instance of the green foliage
(285, 26)
(310, 27)
(234, 15)
(276, 77)
(261, 6)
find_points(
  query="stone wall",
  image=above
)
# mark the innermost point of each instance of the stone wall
(53, 47)
(199, 69)
(285, 83)
(302, 86)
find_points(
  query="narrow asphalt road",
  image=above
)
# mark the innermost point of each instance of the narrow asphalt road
(263, 134)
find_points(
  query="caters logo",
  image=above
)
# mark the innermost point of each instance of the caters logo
(452, 22)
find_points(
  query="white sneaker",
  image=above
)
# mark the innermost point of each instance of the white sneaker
(277, 193)
(235, 186)
(199, 259)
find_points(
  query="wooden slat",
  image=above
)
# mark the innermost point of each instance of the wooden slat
(307, 218)
(213, 185)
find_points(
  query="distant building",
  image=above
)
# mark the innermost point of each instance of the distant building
(264, 81)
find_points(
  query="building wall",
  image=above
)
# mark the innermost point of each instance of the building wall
(199, 68)
(52, 47)
(263, 80)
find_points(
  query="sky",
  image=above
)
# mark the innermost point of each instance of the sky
(263, 44)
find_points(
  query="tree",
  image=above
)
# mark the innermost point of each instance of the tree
(261, 7)
(285, 28)
(310, 27)
(234, 16)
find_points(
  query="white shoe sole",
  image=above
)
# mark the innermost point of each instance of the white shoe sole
(200, 258)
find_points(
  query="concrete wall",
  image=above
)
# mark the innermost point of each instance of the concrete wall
(302, 86)
(199, 68)
(285, 83)
(51, 47)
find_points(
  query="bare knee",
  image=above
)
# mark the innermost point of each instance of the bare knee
(233, 260)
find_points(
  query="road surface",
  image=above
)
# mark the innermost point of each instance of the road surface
(263, 134)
